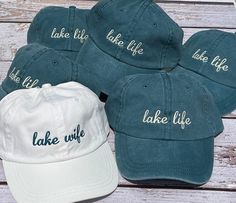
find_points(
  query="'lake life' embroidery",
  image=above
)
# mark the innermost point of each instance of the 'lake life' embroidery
(132, 46)
(27, 83)
(217, 62)
(48, 140)
(62, 34)
(178, 118)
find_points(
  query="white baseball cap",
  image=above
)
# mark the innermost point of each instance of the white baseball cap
(53, 142)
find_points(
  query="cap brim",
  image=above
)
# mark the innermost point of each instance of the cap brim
(145, 159)
(224, 96)
(99, 70)
(94, 175)
(2, 93)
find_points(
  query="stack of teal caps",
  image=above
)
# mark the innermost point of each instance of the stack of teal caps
(120, 68)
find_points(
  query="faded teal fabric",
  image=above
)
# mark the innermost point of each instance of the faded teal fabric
(127, 37)
(63, 29)
(209, 56)
(164, 124)
(35, 65)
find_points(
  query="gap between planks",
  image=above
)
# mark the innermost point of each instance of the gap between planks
(147, 195)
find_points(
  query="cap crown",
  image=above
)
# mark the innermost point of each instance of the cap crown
(136, 32)
(211, 53)
(166, 106)
(35, 65)
(59, 28)
(51, 124)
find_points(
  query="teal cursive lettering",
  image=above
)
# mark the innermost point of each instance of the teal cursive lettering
(77, 135)
(44, 141)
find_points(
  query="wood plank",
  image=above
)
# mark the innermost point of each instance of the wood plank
(187, 15)
(150, 195)
(225, 160)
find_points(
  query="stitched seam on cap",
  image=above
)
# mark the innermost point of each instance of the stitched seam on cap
(122, 99)
(133, 23)
(74, 72)
(170, 39)
(170, 97)
(72, 27)
(165, 101)
(205, 101)
(69, 22)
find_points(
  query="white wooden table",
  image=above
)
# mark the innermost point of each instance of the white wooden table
(192, 15)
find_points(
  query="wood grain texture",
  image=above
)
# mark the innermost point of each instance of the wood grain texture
(150, 195)
(187, 15)
(225, 160)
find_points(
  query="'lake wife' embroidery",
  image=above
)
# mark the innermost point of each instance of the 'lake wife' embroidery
(47, 140)
(179, 118)
(218, 63)
(133, 46)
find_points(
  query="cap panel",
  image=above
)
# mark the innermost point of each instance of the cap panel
(20, 63)
(48, 120)
(116, 31)
(35, 65)
(153, 35)
(107, 24)
(164, 114)
(59, 28)
(193, 52)
(221, 63)
(205, 53)
(91, 119)
(195, 107)
(139, 105)
(115, 102)
(51, 67)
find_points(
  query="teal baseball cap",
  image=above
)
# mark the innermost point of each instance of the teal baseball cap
(35, 65)
(60, 28)
(209, 56)
(127, 37)
(164, 124)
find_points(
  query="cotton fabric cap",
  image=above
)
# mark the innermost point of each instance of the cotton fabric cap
(127, 37)
(60, 28)
(54, 145)
(34, 65)
(209, 56)
(169, 133)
